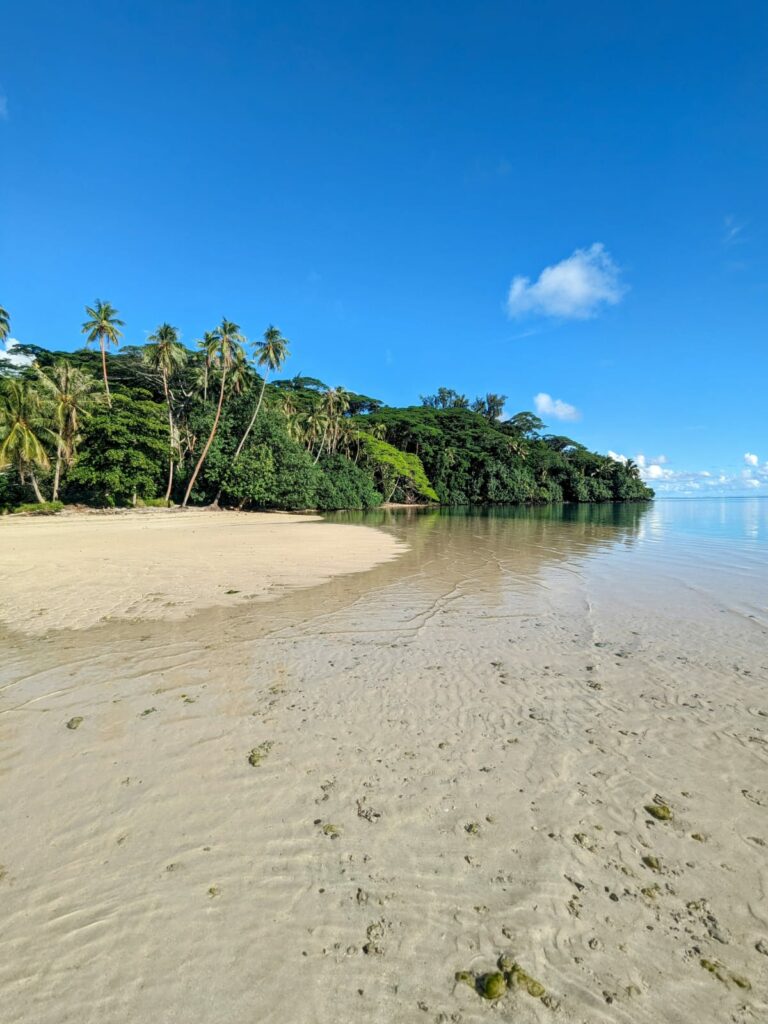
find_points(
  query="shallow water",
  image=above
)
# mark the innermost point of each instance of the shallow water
(670, 556)
(538, 673)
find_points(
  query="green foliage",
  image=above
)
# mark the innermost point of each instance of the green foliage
(123, 454)
(445, 398)
(397, 470)
(472, 459)
(272, 471)
(23, 432)
(153, 503)
(38, 508)
(491, 406)
(342, 484)
(249, 443)
(12, 491)
(524, 424)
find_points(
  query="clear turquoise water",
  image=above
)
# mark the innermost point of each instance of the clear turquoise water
(670, 556)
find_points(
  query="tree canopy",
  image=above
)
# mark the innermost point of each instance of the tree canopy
(206, 424)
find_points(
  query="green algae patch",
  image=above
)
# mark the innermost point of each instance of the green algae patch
(659, 811)
(510, 975)
(472, 828)
(258, 754)
(75, 723)
(147, 711)
(721, 972)
(492, 986)
(518, 978)
(331, 830)
(652, 862)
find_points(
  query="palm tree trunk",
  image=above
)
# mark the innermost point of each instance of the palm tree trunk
(170, 484)
(320, 449)
(249, 428)
(208, 443)
(104, 370)
(57, 473)
(170, 438)
(243, 439)
(35, 486)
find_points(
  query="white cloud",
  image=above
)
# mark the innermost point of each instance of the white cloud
(14, 358)
(732, 229)
(555, 408)
(575, 288)
(666, 480)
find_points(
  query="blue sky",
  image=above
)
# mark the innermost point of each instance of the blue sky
(537, 198)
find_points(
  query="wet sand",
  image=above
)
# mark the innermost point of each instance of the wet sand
(75, 570)
(319, 809)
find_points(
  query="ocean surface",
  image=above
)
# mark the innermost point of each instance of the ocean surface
(685, 557)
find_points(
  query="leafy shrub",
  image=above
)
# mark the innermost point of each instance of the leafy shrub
(39, 508)
(342, 484)
(124, 452)
(397, 470)
(12, 492)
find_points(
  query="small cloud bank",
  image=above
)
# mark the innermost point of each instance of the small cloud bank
(576, 288)
(665, 479)
(13, 357)
(555, 408)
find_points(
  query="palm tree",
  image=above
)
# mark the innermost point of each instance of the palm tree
(287, 407)
(270, 354)
(204, 344)
(67, 394)
(5, 324)
(492, 406)
(335, 402)
(20, 444)
(239, 374)
(314, 426)
(224, 349)
(518, 446)
(165, 354)
(103, 327)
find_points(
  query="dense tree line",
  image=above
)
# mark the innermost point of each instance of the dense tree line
(164, 423)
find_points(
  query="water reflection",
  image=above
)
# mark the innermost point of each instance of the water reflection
(743, 520)
(491, 551)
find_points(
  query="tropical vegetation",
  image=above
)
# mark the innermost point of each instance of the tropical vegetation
(163, 423)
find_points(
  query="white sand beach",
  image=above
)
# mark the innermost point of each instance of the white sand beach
(76, 570)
